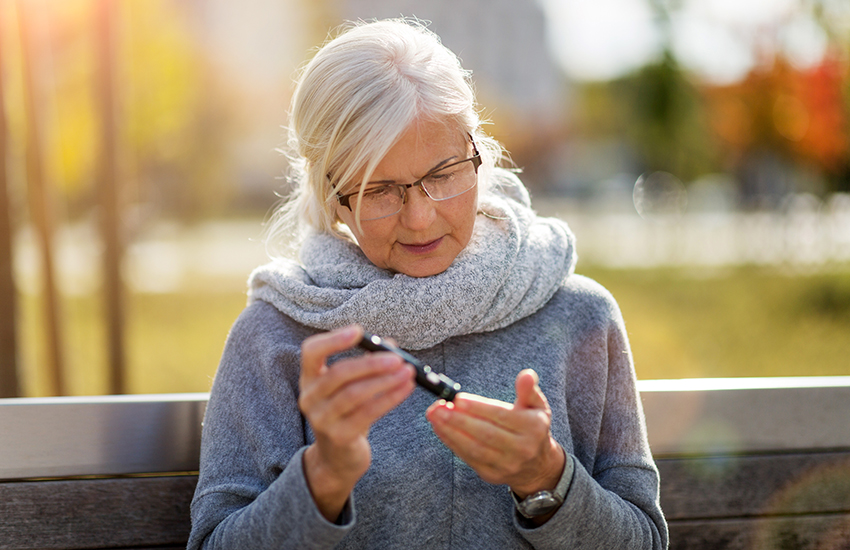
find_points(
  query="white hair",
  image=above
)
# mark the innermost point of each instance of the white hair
(353, 101)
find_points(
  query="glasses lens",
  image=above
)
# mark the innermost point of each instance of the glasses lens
(382, 201)
(378, 202)
(451, 181)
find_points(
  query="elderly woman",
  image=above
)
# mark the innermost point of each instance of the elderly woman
(410, 231)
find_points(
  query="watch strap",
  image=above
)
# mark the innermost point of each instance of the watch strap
(556, 495)
(566, 478)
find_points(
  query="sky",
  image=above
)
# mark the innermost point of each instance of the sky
(716, 39)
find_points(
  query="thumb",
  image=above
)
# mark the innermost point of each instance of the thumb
(528, 393)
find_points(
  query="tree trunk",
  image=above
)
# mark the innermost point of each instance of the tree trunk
(40, 201)
(9, 385)
(111, 230)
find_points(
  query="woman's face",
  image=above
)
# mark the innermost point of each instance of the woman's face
(426, 236)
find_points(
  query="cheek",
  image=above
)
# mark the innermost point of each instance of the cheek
(375, 241)
(347, 217)
(466, 219)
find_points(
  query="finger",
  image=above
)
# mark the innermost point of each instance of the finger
(512, 433)
(368, 365)
(370, 410)
(358, 377)
(492, 410)
(489, 462)
(343, 421)
(465, 430)
(446, 424)
(360, 393)
(528, 392)
(497, 455)
(316, 349)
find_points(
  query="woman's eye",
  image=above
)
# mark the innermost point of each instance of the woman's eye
(439, 177)
(378, 191)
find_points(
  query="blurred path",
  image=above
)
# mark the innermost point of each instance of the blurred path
(171, 257)
(167, 257)
(806, 235)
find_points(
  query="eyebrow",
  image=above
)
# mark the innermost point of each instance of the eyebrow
(435, 168)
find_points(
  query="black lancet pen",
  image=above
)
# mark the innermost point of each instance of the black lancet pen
(439, 384)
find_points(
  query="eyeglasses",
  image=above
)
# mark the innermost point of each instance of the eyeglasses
(443, 183)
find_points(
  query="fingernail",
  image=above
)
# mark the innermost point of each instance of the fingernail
(442, 414)
(389, 360)
(349, 331)
(402, 373)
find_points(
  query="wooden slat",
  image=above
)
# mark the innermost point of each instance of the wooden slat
(816, 532)
(108, 435)
(694, 421)
(739, 469)
(96, 513)
(743, 486)
(160, 433)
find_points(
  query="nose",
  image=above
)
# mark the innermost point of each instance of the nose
(419, 210)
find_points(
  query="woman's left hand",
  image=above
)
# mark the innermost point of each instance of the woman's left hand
(504, 443)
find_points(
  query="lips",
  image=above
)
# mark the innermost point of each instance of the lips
(423, 248)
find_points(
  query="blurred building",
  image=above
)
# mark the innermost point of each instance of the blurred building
(258, 46)
(503, 43)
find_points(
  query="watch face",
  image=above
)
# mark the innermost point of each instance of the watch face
(539, 504)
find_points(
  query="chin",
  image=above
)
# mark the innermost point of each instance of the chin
(424, 269)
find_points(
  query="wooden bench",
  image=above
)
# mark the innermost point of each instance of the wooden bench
(745, 464)
(98, 472)
(753, 464)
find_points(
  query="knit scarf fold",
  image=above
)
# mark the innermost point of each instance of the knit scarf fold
(511, 267)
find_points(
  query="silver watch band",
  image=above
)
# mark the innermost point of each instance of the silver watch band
(543, 502)
(566, 477)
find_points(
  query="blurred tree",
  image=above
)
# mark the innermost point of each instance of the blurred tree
(823, 92)
(797, 115)
(172, 121)
(111, 228)
(171, 128)
(40, 192)
(665, 120)
(175, 119)
(786, 122)
(9, 386)
(69, 106)
(658, 112)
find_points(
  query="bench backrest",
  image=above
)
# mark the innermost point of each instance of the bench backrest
(745, 463)
(98, 472)
(753, 463)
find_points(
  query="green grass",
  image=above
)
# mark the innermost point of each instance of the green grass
(173, 342)
(741, 322)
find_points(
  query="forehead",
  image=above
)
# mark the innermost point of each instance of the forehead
(421, 148)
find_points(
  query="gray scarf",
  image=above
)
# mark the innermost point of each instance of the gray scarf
(513, 264)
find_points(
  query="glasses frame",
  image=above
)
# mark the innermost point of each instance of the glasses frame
(475, 159)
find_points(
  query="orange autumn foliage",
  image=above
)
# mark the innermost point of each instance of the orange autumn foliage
(801, 113)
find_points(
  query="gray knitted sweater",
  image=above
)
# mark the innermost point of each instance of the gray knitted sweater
(252, 492)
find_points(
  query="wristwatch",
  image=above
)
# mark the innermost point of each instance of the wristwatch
(543, 502)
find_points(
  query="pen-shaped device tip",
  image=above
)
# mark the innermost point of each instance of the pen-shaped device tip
(439, 384)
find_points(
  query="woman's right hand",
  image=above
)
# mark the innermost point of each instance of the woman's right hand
(341, 403)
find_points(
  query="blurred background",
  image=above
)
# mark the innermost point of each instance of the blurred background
(700, 150)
